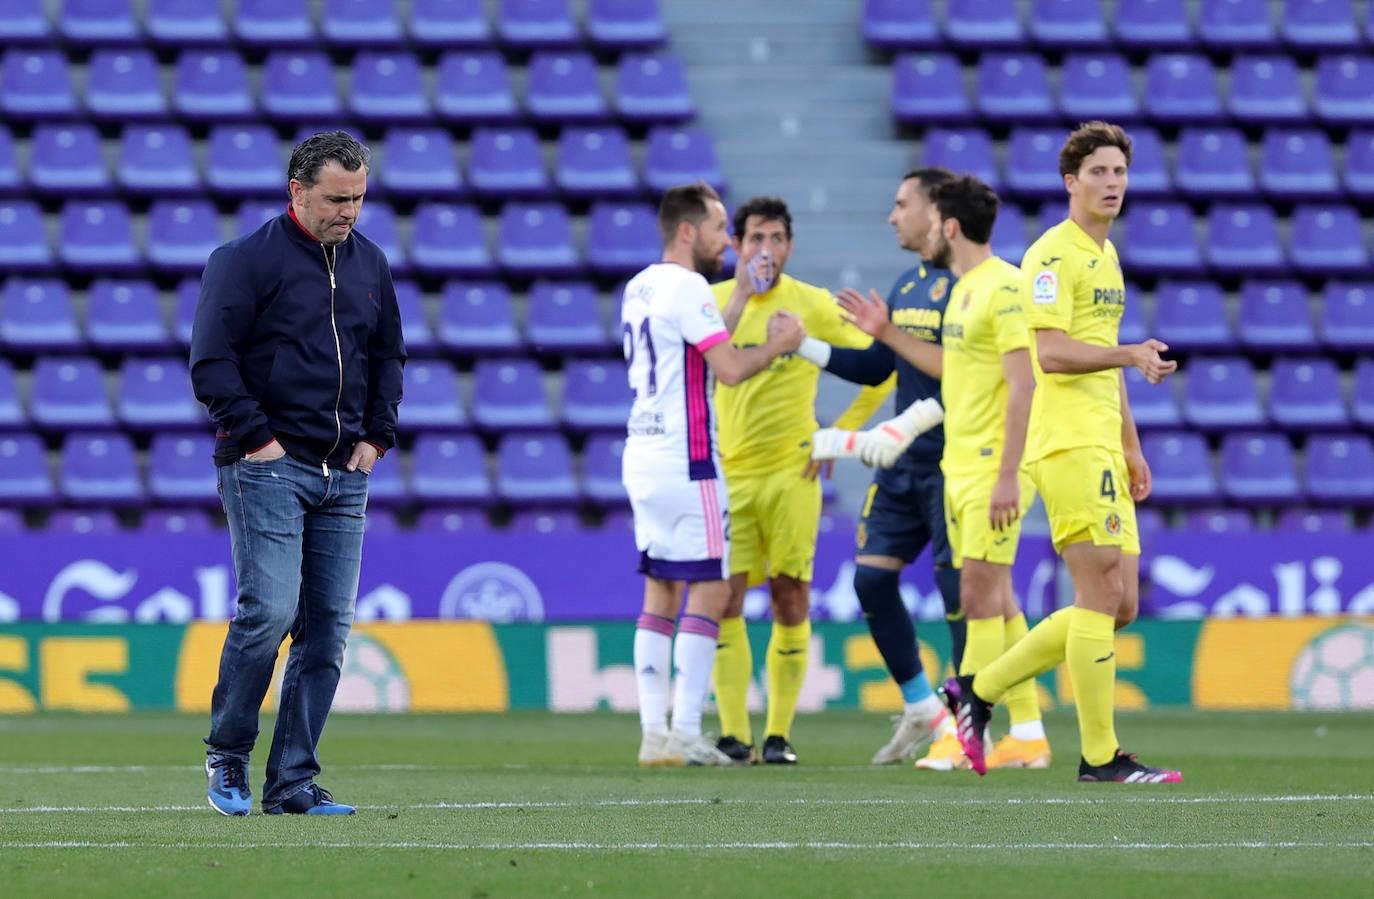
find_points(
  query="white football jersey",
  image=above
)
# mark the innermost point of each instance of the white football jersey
(668, 320)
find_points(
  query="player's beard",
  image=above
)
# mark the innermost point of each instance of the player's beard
(708, 266)
(940, 254)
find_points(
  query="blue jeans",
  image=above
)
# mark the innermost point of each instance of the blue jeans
(297, 538)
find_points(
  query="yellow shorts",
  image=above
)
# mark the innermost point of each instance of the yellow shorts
(774, 519)
(1087, 497)
(967, 498)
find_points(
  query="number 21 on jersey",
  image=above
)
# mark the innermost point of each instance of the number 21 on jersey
(641, 362)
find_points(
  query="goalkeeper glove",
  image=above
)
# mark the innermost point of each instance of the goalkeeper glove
(883, 444)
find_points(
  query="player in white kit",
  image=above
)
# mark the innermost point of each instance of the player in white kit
(676, 347)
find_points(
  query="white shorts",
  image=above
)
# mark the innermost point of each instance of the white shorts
(682, 528)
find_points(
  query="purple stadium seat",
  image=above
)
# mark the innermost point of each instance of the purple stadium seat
(183, 23)
(1213, 162)
(1097, 85)
(1358, 175)
(1009, 234)
(449, 520)
(615, 25)
(67, 160)
(23, 241)
(1305, 394)
(447, 239)
(387, 88)
(274, 23)
(1150, 178)
(123, 85)
(1275, 316)
(11, 178)
(1181, 88)
(1133, 327)
(474, 87)
(1013, 87)
(1340, 469)
(680, 155)
(1319, 25)
(929, 87)
(1180, 468)
(421, 163)
(377, 222)
(984, 23)
(595, 162)
(1033, 162)
(509, 394)
(37, 84)
(1220, 393)
(184, 310)
(1152, 405)
(1265, 90)
(563, 86)
(622, 238)
(532, 24)
(449, 23)
(1160, 238)
(69, 394)
(98, 237)
(507, 162)
(156, 395)
(176, 521)
(1068, 23)
(1220, 521)
(433, 401)
(1237, 25)
(24, 22)
(1347, 316)
(450, 468)
(12, 415)
(601, 480)
(1258, 469)
(81, 523)
(100, 467)
(1191, 316)
(565, 318)
(1298, 164)
(361, 23)
(544, 521)
(1313, 521)
(1327, 240)
(253, 214)
(102, 22)
(212, 85)
(595, 396)
(1153, 25)
(1051, 213)
(181, 470)
(900, 24)
(419, 334)
(182, 234)
(477, 317)
(652, 88)
(387, 486)
(1344, 89)
(37, 316)
(535, 469)
(24, 476)
(535, 240)
(126, 316)
(963, 150)
(156, 159)
(244, 159)
(1243, 239)
(299, 84)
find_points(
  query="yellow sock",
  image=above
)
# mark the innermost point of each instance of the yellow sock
(1022, 703)
(1033, 655)
(985, 643)
(733, 669)
(788, 649)
(1091, 659)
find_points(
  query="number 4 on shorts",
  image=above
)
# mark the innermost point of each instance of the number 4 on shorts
(1108, 486)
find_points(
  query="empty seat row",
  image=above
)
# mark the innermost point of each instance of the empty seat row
(1222, 520)
(1174, 88)
(249, 160)
(1261, 468)
(382, 88)
(1219, 25)
(520, 24)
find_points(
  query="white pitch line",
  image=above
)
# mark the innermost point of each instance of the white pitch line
(618, 847)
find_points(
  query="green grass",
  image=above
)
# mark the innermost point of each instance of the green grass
(532, 804)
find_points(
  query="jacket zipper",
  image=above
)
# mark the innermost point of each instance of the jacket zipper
(329, 260)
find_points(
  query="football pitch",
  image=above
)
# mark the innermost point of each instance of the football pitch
(536, 804)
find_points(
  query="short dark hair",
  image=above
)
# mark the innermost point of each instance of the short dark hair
(684, 203)
(317, 150)
(1087, 139)
(929, 176)
(770, 209)
(971, 203)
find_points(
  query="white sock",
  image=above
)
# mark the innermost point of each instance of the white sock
(653, 672)
(1029, 730)
(693, 656)
(931, 705)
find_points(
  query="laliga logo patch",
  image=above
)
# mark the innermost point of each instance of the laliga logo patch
(939, 289)
(709, 311)
(1046, 288)
(1113, 523)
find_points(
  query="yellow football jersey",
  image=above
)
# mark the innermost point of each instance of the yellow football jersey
(983, 322)
(767, 421)
(1074, 286)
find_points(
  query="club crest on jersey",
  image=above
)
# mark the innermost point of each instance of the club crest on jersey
(968, 298)
(939, 289)
(1046, 289)
(1113, 524)
(861, 535)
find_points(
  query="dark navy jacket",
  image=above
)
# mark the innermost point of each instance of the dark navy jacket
(300, 342)
(917, 305)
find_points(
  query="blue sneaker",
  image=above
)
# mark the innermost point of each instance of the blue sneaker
(228, 791)
(313, 800)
